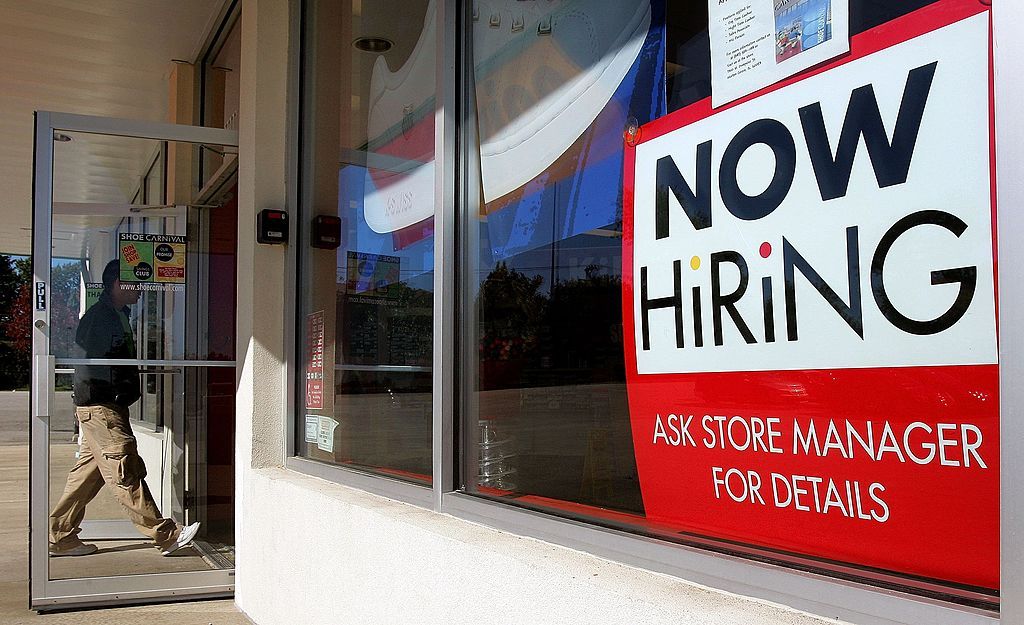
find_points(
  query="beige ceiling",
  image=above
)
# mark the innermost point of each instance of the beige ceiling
(93, 57)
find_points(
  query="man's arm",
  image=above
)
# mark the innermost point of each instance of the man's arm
(94, 335)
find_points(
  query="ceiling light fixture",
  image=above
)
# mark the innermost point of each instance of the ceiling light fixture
(377, 45)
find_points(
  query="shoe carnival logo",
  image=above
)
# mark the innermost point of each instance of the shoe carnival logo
(840, 222)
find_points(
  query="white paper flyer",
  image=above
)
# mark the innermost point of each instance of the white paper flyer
(325, 436)
(756, 43)
(312, 427)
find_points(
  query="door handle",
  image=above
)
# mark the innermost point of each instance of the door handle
(42, 402)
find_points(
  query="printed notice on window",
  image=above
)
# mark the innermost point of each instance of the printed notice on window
(756, 43)
(315, 360)
(325, 435)
(152, 262)
(312, 427)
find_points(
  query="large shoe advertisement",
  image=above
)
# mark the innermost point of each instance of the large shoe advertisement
(556, 84)
(810, 309)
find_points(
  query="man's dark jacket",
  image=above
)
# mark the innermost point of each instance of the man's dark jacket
(102, 334)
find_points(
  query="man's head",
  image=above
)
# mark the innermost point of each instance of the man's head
(112, 286)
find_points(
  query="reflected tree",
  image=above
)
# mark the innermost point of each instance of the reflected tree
(16, 307)
(15, 321)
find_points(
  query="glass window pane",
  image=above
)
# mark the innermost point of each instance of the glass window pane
(545, 414)
(367, 307)
(151, 281)
(221, 86)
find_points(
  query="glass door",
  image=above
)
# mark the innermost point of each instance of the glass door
(132, 412)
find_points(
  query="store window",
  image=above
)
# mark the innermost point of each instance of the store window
(366, 308)
(546, 410)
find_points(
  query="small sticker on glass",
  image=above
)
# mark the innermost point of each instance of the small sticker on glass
(325, 438)
(312, 427)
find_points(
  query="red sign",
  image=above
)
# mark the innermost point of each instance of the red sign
(315, 360)
(809, 305)
(131, 254)
(170, 272)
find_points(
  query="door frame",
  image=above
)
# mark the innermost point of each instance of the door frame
(95, 591)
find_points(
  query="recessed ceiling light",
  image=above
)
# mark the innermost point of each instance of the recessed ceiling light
(60, 136)
(377, 45)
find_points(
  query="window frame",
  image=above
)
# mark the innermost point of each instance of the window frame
(814, 592)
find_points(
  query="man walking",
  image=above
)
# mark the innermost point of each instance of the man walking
(109, 453)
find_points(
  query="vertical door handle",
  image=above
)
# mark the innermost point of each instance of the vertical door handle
(42, 402)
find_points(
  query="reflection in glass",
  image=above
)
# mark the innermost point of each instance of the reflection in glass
(367, 308)
(167, 295)
(545, 418)
(555, 85)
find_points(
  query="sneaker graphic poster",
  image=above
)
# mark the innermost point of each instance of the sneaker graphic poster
(555, 84)
(553, 99)
(757, 43)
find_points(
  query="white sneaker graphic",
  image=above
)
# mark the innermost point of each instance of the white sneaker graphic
(544, 71)
(400, 150)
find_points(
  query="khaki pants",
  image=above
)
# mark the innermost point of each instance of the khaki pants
(109, 454)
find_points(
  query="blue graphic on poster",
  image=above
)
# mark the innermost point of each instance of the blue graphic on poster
(800, 25)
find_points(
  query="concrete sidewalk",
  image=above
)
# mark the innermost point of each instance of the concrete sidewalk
(14, 549)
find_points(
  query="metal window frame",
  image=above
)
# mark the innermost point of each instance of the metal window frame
(813, 592)
(447, 202)
(1008, 50)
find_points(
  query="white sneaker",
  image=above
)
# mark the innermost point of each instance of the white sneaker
(184, 539)
(400, 130)
(81, 549)
(544, 72)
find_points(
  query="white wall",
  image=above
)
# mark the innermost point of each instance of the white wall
(327, 554)
(260, 397)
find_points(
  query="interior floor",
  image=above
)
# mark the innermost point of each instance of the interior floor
(123, 555)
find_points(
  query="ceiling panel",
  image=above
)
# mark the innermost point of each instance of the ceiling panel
(101, 57)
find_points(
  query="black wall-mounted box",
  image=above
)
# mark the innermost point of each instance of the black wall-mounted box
(326, 232)
(272, 226)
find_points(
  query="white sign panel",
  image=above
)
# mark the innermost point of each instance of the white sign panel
(844, 221)
(312, 428)
(755, 43)
(325, 436)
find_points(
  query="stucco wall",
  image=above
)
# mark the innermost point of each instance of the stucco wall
(260, 347)
(330, 554)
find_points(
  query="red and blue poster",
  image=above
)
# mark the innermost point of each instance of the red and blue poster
(810, 308)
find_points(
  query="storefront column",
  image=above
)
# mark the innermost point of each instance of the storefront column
(261, 281)
(260, 349)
